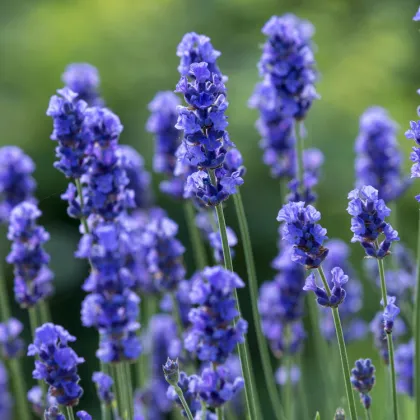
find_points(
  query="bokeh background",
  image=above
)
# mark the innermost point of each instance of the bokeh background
(367, 54)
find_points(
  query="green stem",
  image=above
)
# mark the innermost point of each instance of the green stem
(44, 312)
(129, 387)
(219, 413)
(70, 413)
(342, 348)
(197, 243)
(19, 388)
(203, 410)
(105, 412)
(4, 298)
(368, 417)
(33, 320)
(288, 398)
(389, 341)
(251, 397)
(184, 403)
(416, 326)
(122, 392)
(253, 291)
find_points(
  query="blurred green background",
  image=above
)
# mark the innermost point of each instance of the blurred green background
(367, 53)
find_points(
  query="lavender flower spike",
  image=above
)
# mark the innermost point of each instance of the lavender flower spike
(57, 365)
(16, 181)
(32, 275)
(368, 222)
(391, 311)
(404, 367)
(379, 161)
(338, 294)
(5, 397)
(302, 232)
(104, 387)
(11, 344)
(363, 380)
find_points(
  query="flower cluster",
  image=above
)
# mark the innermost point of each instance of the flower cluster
(57, 363)
(378, 162)
(83, 79)
(186, 384)
(404, 367)
(287, 90)
(104, 385)
(354, 328)
(391, 311)
(32, 276)
(11, 344)
(163, 252)
(212, 335)
(301, 231)
(68, 114)
(414, 134)
(368, 222)
(280, 304)
(363, 380)
(324, 297)
(16, 181)
(203, 122)
(5, 397)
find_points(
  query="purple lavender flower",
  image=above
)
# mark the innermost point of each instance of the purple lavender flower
(283, 375)
(171, 371)
(338, 294)
(139, 179)
(16, 181)
(83, 79)
(212, 335)
(57, 363)
(312, 163)
(378, 162)
(83, 415)
(188, 387)
(288, 63)
(214, 387)
(301, 231)
(414, 134)
(404, 367)
(38, 401)
(368, 222)
(32, 276)
(5, 397)
(363, 380)
(280, 304)
(354, 327)
(195, 48)
(104, 385)
(68, 114)
(380, 337)
(391, 311)
(161, 123)
(417, 15)
(10, 343)
(53, 413)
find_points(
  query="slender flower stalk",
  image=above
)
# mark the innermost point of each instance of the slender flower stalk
(253, 288)
(416, 324)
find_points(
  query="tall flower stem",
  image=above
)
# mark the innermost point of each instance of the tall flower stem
(251, 397)
(389, 341)
(416, 326)
(197, 244)
(121, 384)
(219, 413)
(342, 348)
(253, 291)
(70, 413)
(184, 403)
(368, 417)
(4, 298)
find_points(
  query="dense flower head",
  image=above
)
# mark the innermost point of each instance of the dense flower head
(301, 231)
(164, 252)
(16, 181)
(288, 63)
(414, 134)
(378, 159)
(83, 79)
(215, 387)
(380, 337)
(5, 397)
(83, 415)
(10, 343)
(391, 311)
(161, 123)
(323, 297)
(363, 380)
(195, 48)
(368, 213)
(104, 385)
(354, 328)
(111, 306)
(404, 368)
(57, 363)
(68, 114)
(53, 413)
(139, 179)
(32, 277)
(312, 163)
(212, 335)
